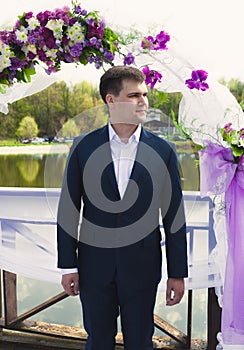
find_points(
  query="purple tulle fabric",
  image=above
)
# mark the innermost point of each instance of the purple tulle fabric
(219, 173)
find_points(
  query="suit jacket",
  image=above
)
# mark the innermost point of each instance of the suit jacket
(105, 235)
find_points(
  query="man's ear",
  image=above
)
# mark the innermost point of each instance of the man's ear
(109, 98)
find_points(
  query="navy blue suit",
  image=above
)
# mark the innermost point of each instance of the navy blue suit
(120, 275)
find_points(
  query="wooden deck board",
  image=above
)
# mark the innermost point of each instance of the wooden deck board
(37, 340)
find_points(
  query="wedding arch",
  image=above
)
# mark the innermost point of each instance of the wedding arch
(35, 47)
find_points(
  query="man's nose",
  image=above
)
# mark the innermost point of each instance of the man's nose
(143, 100)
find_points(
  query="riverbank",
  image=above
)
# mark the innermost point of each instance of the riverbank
(35, 149)
(56, 148)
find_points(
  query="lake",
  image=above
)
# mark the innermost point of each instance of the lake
(40, 170)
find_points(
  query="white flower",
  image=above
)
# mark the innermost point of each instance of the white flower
(4, 62)
(22, 34)
(77, 27)
(79, 38)
(33, 23)
(56, 26)
(71, 33)
(5, 49)
(8, 27)
(29, 48)
(75, 33)
(51, 53)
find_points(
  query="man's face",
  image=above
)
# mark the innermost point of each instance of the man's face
(131, 105)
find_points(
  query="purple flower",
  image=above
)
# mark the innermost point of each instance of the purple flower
(48, 38)
(98, 62)
(159, 43)
(93, 41)
(108, 55)
(227, 128)
(76, 50)
(197, 80)
(42, 56)
(65, 40)
(31, 56)
(161, 39)
(33, 36)
(95, 29)
(79, 11)
(242, 133)
(90, 59)
(129, 59)
(29, 15)
(16, 63)
(43, 17)
(152, 76)
(147, 43)
(68, 58)
(51, 69)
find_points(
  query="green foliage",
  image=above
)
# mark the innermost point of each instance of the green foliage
(27, 128)
(70, 128)
(51, 108)
(157, 98)
(236, 87)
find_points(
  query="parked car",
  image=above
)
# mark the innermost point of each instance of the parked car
(25, 141)
(37, 140)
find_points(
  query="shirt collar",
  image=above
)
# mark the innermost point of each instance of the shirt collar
(134, 137)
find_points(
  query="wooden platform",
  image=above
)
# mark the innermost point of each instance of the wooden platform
(45, 336)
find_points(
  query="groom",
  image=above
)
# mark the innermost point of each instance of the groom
(121, 177)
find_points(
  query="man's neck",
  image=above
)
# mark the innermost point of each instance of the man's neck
(124, 131)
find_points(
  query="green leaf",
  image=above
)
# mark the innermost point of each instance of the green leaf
(237, 151)
(2, 89)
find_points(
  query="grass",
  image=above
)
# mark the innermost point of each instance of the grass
(181, 146)
(12, 142)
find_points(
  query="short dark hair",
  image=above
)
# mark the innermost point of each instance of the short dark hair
(111, 81)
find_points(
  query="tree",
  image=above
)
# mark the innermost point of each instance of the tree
(70, 129)
(28, 128)
(236, 87)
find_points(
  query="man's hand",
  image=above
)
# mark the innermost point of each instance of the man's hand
(70, 283)
(175, 291)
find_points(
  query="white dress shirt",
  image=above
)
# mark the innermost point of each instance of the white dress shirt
(123, 155)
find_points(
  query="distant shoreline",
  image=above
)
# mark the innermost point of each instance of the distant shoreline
(32, 149)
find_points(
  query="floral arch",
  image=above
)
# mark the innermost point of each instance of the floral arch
(34, 48)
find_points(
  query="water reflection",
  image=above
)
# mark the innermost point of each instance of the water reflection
(47, 170)
(29, 170)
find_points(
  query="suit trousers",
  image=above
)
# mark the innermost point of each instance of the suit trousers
(121, 282)
(102, 306)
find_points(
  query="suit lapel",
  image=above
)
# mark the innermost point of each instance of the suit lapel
(109, 170)
(143, 158)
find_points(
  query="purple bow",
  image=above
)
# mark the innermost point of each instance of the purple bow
(220, 173)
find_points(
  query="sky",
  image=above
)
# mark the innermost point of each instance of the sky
(209, 33)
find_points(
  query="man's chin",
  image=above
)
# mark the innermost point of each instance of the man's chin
(141, 117)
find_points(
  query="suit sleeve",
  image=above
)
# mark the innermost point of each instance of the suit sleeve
(69, 211)
(174, 222)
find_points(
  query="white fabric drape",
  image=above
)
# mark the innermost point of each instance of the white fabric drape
(28, 236)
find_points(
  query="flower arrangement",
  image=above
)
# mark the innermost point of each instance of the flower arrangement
(235, 139)
(71, 36)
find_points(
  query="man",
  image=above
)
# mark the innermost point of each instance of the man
(121, 176)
